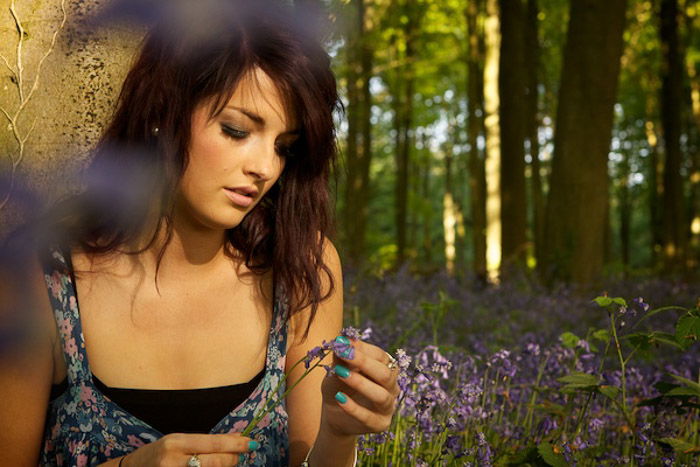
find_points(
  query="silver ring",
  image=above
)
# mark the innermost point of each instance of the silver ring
(194, 461)
(392, 362)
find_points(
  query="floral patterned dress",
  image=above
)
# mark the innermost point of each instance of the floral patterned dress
(84, 427)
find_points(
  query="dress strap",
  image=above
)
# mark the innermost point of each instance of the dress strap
(277, 339)
(60, 282)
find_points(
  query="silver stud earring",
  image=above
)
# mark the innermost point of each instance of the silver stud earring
(155, 131)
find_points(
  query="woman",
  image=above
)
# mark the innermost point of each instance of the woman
(197, 268)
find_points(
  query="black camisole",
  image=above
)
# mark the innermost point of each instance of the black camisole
(176, 410)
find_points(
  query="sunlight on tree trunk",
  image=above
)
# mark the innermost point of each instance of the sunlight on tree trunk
(512, 86)
(655, 187)
(449, 217)
(449, 222)
(493, 142)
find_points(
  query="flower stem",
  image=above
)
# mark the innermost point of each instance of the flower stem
(271, 403)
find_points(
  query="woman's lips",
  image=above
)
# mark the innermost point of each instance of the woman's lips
(238, 199)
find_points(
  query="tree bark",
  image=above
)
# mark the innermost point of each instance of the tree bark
(403, 122)
(673, 215)
(532, 53)
(359, 146)
(425, 195)
(625, 210)
(475, 123)
(693, 93)
(578, 199)
(513, 113)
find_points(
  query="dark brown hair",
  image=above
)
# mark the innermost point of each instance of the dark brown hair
(193, 55)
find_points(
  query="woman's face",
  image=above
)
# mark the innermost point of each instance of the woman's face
(236, 156)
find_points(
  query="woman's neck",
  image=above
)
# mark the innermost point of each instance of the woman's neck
(189, 248)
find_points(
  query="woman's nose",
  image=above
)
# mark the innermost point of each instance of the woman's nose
(262, 162)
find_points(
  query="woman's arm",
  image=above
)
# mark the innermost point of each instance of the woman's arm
(304, 401)
(28, 333)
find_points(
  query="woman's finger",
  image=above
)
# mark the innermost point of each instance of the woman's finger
(373, 421)
(368, 349)
(380, 396)
(373, 362)
(208, 444)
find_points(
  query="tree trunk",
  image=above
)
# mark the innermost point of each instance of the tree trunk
(425, 195)
(655, 188)
(694, 137)
(577, 205)
(64, 103)
(532, 52)
(673, 215)
(625, 210)
(493, 140)
(359, 146)
(449, 217)
(475, 111)
(404, 121)
(513, 113)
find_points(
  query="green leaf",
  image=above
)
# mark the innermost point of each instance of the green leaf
(640, 340)
(569, 340)
(579, 379)
(687, 330)
(602, 335)
(688, 383)
(603, 301)
(550, 457)
(680, 445)
(552, 408)
(611, 392)
(620, 301)
(666, 338)
(663, 387)
(682, 392)
(653, 402)
(644, 341)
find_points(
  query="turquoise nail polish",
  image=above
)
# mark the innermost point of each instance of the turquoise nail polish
(343, 339)
(340, 397)
(343, 348)
(341, 371)
(253, 445)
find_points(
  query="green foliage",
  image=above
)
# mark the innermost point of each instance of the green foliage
(569, 340)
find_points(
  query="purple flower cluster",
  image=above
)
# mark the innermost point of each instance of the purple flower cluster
(341, 347)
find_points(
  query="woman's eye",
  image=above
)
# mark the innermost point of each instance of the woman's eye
(234, 132)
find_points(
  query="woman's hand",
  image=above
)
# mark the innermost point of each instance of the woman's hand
(370, 389)
(177, 448)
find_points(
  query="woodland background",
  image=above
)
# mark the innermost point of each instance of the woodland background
(502, 163)
(551, 136)
(480, 137)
